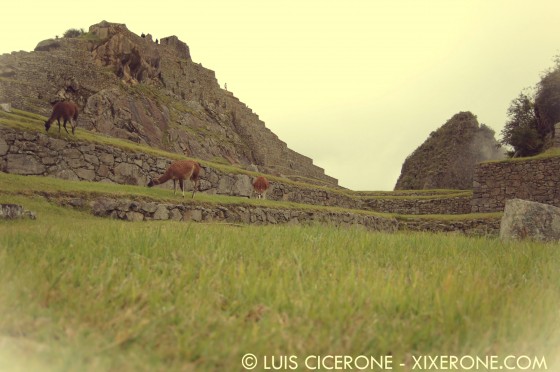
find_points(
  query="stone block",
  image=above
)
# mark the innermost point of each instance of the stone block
(85, 174)
(24, 164)
(527, 219)
(4, 147)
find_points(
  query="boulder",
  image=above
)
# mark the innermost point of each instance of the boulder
(526, 219)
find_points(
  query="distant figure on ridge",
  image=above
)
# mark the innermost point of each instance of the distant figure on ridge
(66, 110)
(260, 187)
(180, 170)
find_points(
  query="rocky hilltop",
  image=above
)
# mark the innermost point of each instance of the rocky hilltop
(447, 158)
(149, 92)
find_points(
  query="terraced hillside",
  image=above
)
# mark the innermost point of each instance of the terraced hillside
(130, 87)
(102, 163)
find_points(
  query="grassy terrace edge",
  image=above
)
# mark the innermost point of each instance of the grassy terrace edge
(550, 153)
(22, 120)
(11, 184)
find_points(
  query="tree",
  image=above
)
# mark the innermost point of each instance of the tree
(531, 117)
(521, 130)
(547, 101)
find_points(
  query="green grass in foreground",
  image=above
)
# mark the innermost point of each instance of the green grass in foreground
(89, 294)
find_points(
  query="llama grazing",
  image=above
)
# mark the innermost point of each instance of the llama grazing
(260, 186)
(66, 110)
(180, 170)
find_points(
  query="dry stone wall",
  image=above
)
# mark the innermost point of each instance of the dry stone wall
(473, 226)
(146, 210)
(535, 180)
(436, 205)
(234, 213)
(36, 153)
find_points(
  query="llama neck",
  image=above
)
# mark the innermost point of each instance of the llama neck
(166, 177)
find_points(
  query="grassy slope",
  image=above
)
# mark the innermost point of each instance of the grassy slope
(91, 294)
(83, 293)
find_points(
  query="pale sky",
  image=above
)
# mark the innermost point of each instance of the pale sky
(357, 85)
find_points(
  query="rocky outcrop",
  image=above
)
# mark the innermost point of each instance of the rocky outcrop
(132, 58)
(447, 158)
(180, 47)
(131, 87)
(15, 211)
(524, 219)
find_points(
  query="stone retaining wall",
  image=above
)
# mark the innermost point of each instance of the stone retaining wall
(450, 205)
(477, 226)
(534, 180)
(36, 153)
(234, 213)
(135, 210)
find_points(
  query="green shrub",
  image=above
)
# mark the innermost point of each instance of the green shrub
(73, 32)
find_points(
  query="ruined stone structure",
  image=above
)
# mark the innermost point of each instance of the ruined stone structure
(130, 87)
(447, 158)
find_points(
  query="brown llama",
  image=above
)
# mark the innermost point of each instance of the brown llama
(180, 170)
(66, 110)
(260, 186)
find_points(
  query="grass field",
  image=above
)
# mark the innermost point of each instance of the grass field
(80, 293)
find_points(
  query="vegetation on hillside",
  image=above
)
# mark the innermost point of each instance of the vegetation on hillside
(532, 115)
(73, 32)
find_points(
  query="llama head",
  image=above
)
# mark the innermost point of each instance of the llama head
(151, 183)
(47, 125)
